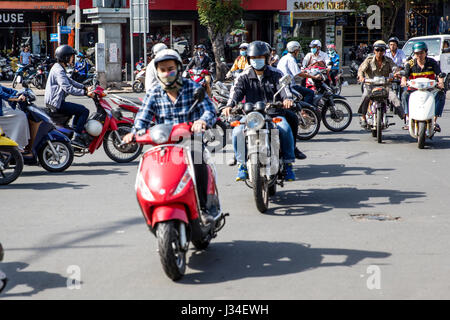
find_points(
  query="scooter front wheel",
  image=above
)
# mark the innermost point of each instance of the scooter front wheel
(138, 87)
(173, 258)
(260, 188)
(117, 153)
(57, 157)
(421, 134)
(11, 164)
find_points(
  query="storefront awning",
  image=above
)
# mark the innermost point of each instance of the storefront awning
(191, 5)
(33, 5)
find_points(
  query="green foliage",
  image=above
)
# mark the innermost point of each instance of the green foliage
(219, 15)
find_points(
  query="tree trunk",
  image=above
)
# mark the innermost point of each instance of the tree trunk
(217, 41)
(391, 16)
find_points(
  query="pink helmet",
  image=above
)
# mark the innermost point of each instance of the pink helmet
(331, 46)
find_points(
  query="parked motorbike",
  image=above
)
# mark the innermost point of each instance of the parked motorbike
(422, 109)
(139, 82)
(167, 195)
(6, 72)
(50, 148)
(11, 161)
(198, 75)
(106, 126)
(376, 117)
(23, 71)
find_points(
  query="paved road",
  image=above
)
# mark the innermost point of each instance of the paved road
(86, 222)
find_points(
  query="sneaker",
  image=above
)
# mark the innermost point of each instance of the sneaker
(290, 175)
(206, 217)
(299, 155)
(79, 142)
(363, 123)
(232, 162)
(242, 173)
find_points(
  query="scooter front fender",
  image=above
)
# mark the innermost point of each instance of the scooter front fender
(170, 212)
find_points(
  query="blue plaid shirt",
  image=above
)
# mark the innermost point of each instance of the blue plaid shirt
(158, 104)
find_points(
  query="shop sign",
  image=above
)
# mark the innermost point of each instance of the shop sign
(317, 5)
(11, 18)
(54, 37)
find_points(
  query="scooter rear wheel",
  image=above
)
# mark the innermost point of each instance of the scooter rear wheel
(138, 87)
(12, 162)
(173, 259)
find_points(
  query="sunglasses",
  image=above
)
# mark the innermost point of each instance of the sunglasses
(380, 50)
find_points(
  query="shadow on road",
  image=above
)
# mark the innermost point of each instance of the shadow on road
(106, 164)
(223, 262)
(313, 201)
(38, 281)
(314, 171)
(43, 186)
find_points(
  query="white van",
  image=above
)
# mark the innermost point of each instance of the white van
(438, 49)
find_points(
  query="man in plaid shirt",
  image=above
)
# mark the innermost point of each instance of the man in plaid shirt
(168, 103)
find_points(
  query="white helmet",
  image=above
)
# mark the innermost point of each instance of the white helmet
(158, 47)
(293, 46)
(243, 45)
(168, 54)
(93, 127)
(315, 43)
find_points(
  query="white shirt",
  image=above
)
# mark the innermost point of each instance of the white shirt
(150, 76)
(311, 58)
(289, 66)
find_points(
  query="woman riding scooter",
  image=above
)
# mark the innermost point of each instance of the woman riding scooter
(59, 85)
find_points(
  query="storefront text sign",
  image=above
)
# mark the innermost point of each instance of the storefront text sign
(11, 18)
(317, 5)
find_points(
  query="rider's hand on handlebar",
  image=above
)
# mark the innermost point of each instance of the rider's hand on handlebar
(198, 126)
(128, 138)
(226, 111)
(22, 98)
(403, 83)
(361, 79)
(288, 103)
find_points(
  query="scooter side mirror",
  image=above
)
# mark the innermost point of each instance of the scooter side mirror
(199, 94)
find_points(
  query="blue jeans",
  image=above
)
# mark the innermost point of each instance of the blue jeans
(79, 112)
(286, 142)
(308, 94)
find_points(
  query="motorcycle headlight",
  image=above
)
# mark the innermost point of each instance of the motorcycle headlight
(255, 121)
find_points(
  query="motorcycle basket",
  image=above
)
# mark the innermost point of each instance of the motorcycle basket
(379, 93)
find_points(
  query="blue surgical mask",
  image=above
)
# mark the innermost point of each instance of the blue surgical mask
(314, 50)
(243, 53)
(258, 64)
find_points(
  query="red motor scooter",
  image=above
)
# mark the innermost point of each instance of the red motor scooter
(106, 126)
(167, 195)
(198, 75)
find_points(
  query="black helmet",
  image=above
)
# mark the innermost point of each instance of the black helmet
(394, 39)
(258, 48)
(64, 52)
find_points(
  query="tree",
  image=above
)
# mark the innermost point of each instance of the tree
(219, 17)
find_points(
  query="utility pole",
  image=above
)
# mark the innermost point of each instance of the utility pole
(77, 25)
(131, 41)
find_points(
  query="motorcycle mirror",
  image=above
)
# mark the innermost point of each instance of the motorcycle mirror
(285, 80)
(199, 94)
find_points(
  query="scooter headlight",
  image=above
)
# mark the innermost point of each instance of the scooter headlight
(255, 121)
(145, 191)
(184, 181)
(160, 133)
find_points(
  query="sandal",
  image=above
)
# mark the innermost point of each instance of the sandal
(405, 127)
(437, 127)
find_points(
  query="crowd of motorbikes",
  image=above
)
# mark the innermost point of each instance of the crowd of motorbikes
(166, 188)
